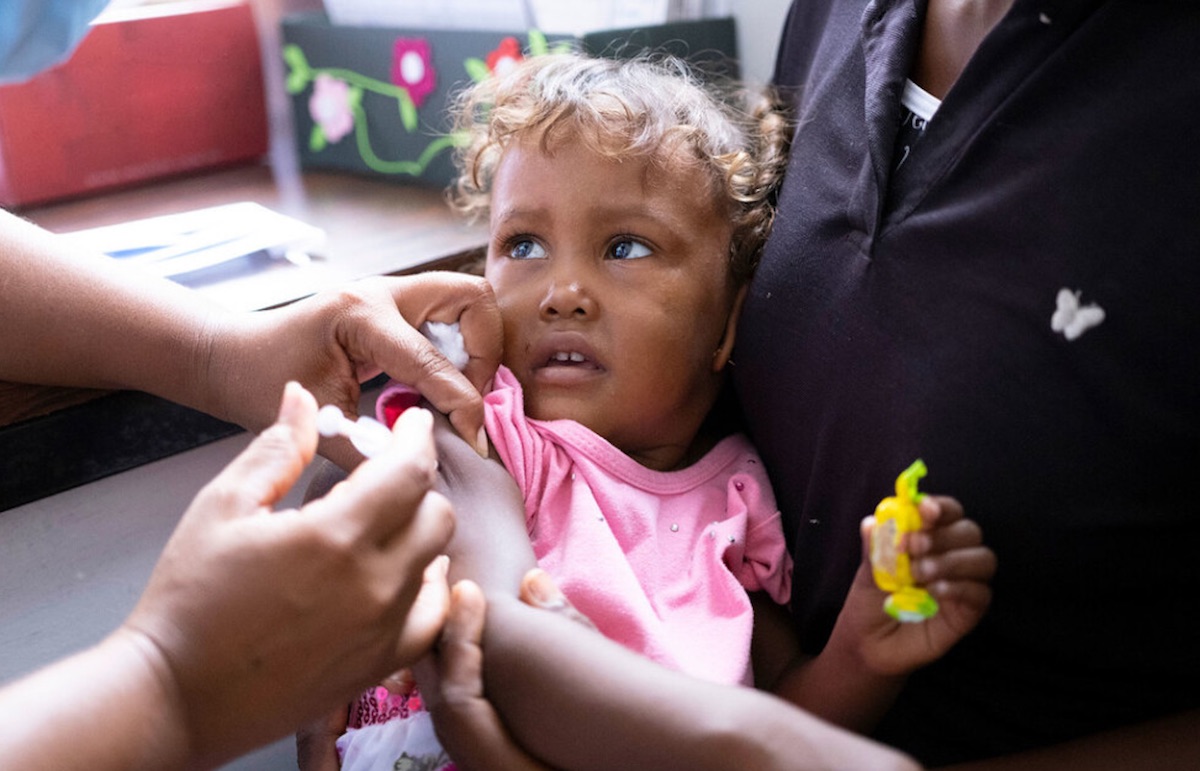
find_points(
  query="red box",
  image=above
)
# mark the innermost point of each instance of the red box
(140, 98)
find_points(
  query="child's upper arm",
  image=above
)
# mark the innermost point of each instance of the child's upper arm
(491, 543)
(774, 646)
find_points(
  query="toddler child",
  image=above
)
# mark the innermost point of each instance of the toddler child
(628, 203)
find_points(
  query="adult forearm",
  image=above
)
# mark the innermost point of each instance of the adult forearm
(72, 319)
(1172, 742)
(104, 708)
(580, 701)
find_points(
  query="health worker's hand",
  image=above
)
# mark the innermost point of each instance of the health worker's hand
(451, 682)
(337, 339)
(257, 621)
(316, 742)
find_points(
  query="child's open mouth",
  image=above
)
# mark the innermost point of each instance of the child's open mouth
(567, 358)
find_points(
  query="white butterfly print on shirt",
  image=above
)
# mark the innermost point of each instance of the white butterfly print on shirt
(1071, 318)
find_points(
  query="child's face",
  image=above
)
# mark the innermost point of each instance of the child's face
(614, 285)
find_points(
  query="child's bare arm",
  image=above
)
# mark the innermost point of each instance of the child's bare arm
(861, 669)
(491, 542)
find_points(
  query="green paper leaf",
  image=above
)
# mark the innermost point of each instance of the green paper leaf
(316, 140)
(408, 114)
(477, 69)
(299, 72)
(537, 43)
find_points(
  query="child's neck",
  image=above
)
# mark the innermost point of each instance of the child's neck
(724, 419)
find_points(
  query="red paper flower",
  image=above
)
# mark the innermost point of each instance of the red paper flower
(412, 68)
(505, 57)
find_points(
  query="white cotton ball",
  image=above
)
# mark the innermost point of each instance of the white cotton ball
(448, 339)
(369, 436)
(329, 420)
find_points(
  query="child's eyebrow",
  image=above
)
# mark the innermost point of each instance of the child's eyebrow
(605, 211)
(504, 215)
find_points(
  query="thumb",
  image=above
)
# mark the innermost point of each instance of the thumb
(266, 470)
(866, 569)
(538, 590)
(427, 614)
(866, 530)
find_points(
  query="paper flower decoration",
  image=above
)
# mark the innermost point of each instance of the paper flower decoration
(507, 54)
(342, 99)
(412, 68)
(505, 57)
(330, 107)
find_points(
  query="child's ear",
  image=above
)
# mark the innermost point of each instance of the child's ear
(724, 351)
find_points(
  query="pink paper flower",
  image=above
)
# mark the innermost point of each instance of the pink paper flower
(505, 57)
(412, 68)
(329, 107)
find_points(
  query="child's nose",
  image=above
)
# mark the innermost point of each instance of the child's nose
(566, 297)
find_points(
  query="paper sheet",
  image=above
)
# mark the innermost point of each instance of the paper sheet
(176, 244)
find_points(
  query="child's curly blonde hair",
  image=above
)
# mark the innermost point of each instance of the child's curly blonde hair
(656, 109)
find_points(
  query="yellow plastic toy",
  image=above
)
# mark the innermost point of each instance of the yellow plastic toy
(894, 518)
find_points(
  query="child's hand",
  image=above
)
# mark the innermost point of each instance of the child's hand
(949, 559)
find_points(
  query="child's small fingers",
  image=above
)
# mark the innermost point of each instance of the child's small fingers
(963, 534)
(966, 593)
(939, 510)
(976, 563)
(865, 528)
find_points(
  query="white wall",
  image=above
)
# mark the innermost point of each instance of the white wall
(759, 23)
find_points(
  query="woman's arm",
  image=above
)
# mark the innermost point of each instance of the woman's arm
(253, 620)
(79, 319)
(74, 319)
(602, 690)
(1170, 742)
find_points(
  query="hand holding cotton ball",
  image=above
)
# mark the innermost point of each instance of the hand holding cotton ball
(368, 435)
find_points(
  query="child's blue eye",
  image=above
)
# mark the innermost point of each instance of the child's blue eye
(526, 249)
(629, 250)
